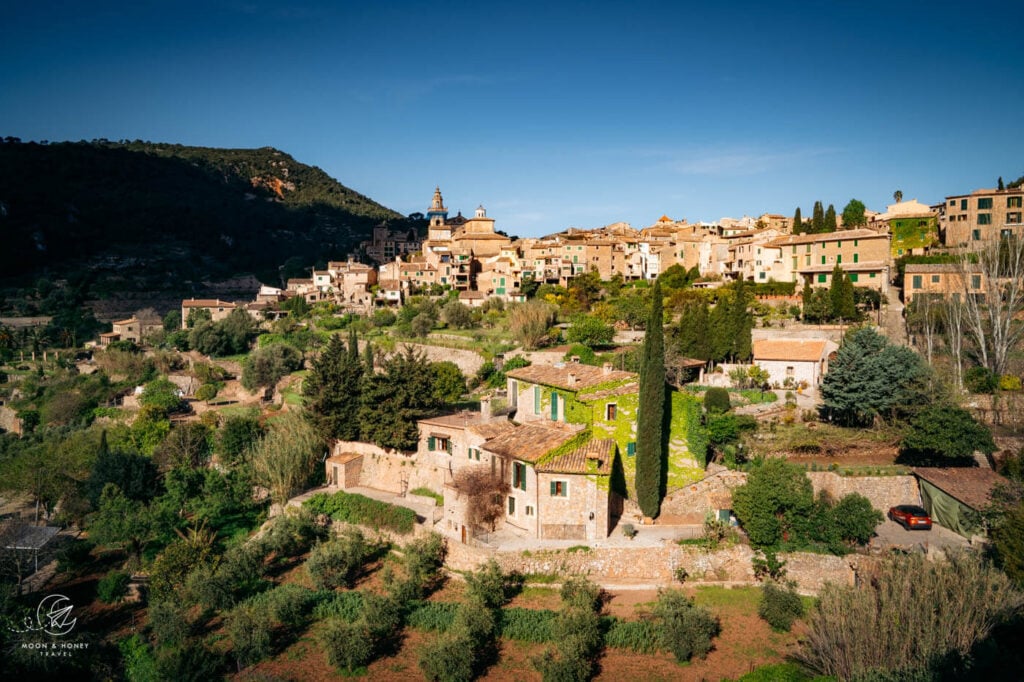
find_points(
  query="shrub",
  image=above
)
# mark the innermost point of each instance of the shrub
(286, 604)
(169, 623)
(780, 606)
(768, 566)
(358, 509)
(291, 535)
(855, 519)
(629, 530)
(345, 605)
(488, 586)
(526, 625)
(581, 593)
(981, 380)
(716, 399)
(577, 633)
(338, 562)
(944, 432)
(641, 636)
(1009, 382)
(449, 658)
(944, 608)
(684, 628)
(432, 616)
(423, 559)
(248, 628)
(137, 659)
(349, 646)
(206, 392)
(112, 587)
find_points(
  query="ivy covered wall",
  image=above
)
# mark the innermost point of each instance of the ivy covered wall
(913, 233)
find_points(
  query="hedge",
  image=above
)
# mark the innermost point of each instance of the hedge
(358, 509)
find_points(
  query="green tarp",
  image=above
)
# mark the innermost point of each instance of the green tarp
(947, 511)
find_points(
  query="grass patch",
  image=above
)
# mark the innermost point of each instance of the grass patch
(542, 578)
(745, 599)
(239, 411)
(362, 510)
(578, 548)
(427, 492)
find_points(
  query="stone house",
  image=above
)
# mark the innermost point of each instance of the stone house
(790, 362)
(451, 442)
(604, 402)
(217, 308)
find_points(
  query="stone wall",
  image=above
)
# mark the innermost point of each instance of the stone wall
(658, 565)
(9, 420)
(468, 361)
(391, 470)
(691, 503)
(882, 491)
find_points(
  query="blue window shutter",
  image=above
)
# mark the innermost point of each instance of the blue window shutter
(630, 448)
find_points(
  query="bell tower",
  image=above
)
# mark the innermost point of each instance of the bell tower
(437, 213)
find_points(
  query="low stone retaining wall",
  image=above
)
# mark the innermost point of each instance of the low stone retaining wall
(882, 491)
(658, 565)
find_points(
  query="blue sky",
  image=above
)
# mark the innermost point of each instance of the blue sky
(550, 114)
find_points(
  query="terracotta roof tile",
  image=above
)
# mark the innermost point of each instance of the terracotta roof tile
(571, 376)
(207, 303)
(800, 350)
(530, 442)
(593, 457)
(972, 486)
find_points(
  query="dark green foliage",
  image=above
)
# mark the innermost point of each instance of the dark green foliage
(685, 629)
(248, 629)
(392, 401)
(495, 378)
(432, 616)
(650, 448)
(853, 214)
(345, 605)
(449, 658)
(338, 562)
(830, 219)
(187, 445)
(1008, 541)
(184, 212)
(580, 593)
(693, 336)
(945, 432)
(449, 382)
(854, 519)
(112, 587)
(135, 475)
(170, 569)
(162, 394)
(193, 662)
(577, 633)
(169, 623)
(122, 522)
(840, 293)
(362, 510)
(677, 277)
(457, 315)
(230, 336)
(489, 585)
(584, 354)
(730, 323)
(775, 495)
(780, 605)
(292, 534)
(236, 436)
(527, 625)
(724, 429)
(818, 218)
(264, 367)
(872, 378)
(348, 645)
(981, 380)
(798, 222)
(138, 660)
(782, 672)
(333, 389)
(288, 604)
(717, 400)
(590, 331)
(422, 565)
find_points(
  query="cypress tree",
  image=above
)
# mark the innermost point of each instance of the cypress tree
(333, 386)
(830, 219)
(818, 219)
(692, 338)
(1001, 186)
(840, 294)
(742, 323)
(798, 222)
(650, 420)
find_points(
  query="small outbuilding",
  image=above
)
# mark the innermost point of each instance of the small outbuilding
(953, 496)
(796, 360)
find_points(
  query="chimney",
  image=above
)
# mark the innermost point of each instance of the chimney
(606, 368)
(485, 408)
(572, 379)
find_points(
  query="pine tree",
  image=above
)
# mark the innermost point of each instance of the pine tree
(798, 222)
(830, 219)
(650, 451)
(333, 387)
(818, 219)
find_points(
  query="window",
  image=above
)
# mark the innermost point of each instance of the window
(856, 258)
(559, 489)
(431, 443)
(1014, 202)
(536, 399)
(529, 510)
(473, 453)
(976, 235)
(975, 281)
(631, 448)
(952, 202)
(1013, 218)
(610, 412)
(935, 279)
(1005, 234)
(985, 203)
(823, 260)
(963, 204)
(839, 244)
(855, 242)
(511, 506)
(872, 275)
(854, 276)
(917, 281)
(790, 371)
(554, 406)
(984, 218)
(839, 259)
(808, 248)
(822, 277)
(794, 248)
(807, 260)
(519, 476)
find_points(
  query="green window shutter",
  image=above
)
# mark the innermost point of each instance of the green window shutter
(853, 276)
(856, 258)
(822, 260)
(552, 488)
(822, 277)
(839, 259)
(554, 406)
(536, 399)
(450, 447)
(917, 281)
(431, 444)
(630, 449)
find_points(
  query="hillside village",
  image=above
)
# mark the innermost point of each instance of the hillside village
(480, 399)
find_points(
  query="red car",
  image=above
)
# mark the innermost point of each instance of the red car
(911, 517)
